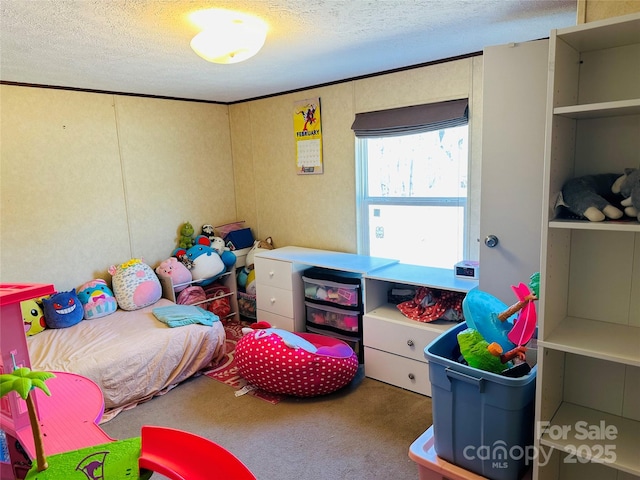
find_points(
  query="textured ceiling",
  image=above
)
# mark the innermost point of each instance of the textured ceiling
(142, 46)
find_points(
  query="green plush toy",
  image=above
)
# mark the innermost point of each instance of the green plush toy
(483, 355)
(186, 236)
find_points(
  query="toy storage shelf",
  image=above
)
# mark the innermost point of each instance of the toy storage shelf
(228, 279)
(589, 308)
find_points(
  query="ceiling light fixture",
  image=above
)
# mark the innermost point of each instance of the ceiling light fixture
(227, 37)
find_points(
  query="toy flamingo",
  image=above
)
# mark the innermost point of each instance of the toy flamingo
(525, 325)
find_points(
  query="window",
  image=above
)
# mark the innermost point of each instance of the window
(412, 191)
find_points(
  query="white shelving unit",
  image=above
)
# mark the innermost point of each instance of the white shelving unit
(589, 321)
(228, 279)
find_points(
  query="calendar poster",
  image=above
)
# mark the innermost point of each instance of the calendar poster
(307, 129)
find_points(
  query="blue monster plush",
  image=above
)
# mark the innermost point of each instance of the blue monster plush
(62, 310)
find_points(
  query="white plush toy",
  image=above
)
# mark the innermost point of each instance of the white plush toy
(247, 276)
(628, 185)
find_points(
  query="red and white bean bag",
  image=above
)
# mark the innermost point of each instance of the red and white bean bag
(298, 364)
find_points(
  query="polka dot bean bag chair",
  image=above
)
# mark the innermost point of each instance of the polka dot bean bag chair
(298, 364)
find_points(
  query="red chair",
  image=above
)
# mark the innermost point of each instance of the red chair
(181, 455)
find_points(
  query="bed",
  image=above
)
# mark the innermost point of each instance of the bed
(130, 354)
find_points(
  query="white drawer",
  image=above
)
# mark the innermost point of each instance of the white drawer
(396, 370)
(277, 321)
(274, 300)
(273, 272)
(407, 338)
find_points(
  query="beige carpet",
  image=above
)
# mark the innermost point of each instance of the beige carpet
(362, 431)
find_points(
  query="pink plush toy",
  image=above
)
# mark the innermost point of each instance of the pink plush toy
(174, 269)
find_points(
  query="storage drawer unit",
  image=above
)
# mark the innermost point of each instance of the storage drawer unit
(394, 344)
(333, 301)
(279, 293)
(394, 348)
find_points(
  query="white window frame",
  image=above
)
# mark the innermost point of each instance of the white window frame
(364, 201)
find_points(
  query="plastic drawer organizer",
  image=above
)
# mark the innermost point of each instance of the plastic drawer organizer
(336, 319)
(482, 422)
(343, 294)
(333, 302)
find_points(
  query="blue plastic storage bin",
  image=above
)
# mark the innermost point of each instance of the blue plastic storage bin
(239, 239)
(482, 421)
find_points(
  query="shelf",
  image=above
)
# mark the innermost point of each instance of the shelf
(607, 341)
(599, 110)
(390, 313)
(440, 278)
(625, 444)
(609, 226)
(602, 34)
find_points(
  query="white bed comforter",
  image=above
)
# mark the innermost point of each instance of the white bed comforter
(130, 354)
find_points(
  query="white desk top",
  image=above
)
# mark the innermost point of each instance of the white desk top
(372, 267)
(346, 262)
(441, 278)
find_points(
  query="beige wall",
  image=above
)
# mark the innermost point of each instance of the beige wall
(319, 211)
(592, 10)
(91, 180)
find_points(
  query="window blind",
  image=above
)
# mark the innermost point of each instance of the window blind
(410, 120)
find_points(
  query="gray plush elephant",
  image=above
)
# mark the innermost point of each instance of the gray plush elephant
(587, 196)
(628, 185)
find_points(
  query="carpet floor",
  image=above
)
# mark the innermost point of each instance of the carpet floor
(226, 371)
(361, 431)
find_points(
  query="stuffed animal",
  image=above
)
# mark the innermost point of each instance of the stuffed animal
(186, 236)
(62, 309)
(246, 276)
(258, 246)
(587, 197)
(177, 271)
(33, 316)
(208, 231)
(135, 284)
(628, 185)
(250, 286)
(97, 299)
(207, 264)
(478, 353)
(217, 243)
